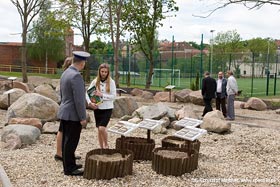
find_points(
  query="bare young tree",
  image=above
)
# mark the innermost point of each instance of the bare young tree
(87, 16)
(250, 4)
(27, 10)
(116, 25)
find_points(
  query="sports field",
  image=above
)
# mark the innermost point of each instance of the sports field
(250, 87)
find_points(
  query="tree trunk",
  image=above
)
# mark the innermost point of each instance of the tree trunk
(87, 66)
(24, 55)
(115, 37)
(151, 70)
(150, 75)
(116, 66)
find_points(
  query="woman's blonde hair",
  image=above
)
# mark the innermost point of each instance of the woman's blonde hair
(108, 78)
(67, 62)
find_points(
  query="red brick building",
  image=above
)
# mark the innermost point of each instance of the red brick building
(10, 54)
(180, 50)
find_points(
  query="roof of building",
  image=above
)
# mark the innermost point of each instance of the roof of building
(11, 43)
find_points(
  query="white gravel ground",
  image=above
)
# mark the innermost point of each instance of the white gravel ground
(247, 156)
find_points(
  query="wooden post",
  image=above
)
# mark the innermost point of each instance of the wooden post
(9, 100)
(122, 145)
(170, 95)
(149, 135)
(189, 149)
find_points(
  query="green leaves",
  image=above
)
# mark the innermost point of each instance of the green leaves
(47, 36)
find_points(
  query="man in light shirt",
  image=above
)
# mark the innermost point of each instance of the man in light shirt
(221, 93)
(232, 90)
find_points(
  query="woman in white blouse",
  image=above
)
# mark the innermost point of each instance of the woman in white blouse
(105, 89)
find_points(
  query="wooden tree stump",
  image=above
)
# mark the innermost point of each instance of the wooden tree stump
(108, 163)
(174, 161)
(173, 141)
(141, 147)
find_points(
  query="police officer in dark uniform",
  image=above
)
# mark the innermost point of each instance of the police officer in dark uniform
(72, 111)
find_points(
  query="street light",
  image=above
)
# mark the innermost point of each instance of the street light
(267, 68)
(211, 60)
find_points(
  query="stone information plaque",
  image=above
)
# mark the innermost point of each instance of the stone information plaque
(188, 122)
(190, 133)
(123, 128)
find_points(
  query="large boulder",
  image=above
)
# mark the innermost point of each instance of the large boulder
(124, 106)
(21, 85)
(28, 134)
(239, 104)
(33, 105)
(12, 141)
(38, 80)
(156, 111)
(51, 127)
(55, 83)
(214, 114)
(147, 95)
(186, 111)
(196, 98)
(26, 121)
(136, 92)
(4, 84)
(214, 124)
(183, 95)
(163, 96)
(14, 93)
(48, 91)
(255, 103)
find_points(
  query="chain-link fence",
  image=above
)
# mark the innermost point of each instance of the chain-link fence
(256, 74)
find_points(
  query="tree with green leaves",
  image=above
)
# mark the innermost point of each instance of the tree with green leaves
(228, 43)
(28, 10)
(262, 49)
(100, 48)
(87, 16)
(143, 21)
(47, 38)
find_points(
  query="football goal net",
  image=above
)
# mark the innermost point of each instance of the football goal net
(165, 76)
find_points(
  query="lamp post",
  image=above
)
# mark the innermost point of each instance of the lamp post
(172, 61)
(267, 68)
(211, 58)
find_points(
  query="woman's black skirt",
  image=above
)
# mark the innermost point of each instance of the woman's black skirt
(102, 117)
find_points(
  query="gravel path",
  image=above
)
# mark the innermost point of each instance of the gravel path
(247, 156)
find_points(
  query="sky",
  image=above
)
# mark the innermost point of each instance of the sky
(185, 26)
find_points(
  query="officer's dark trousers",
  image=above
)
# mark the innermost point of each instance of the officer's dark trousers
(71, 135)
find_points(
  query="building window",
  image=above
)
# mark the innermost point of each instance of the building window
(244, 72)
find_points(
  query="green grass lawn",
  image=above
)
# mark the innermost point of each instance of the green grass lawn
(19, 74)
(257, 88)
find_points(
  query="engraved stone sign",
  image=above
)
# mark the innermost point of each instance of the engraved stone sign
(150, 124)
(123, 128)
(188, 122)
(190, 133)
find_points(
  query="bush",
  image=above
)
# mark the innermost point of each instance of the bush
(195, 84)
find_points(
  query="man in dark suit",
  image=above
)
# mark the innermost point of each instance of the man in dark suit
(72, 111)
(221, 93)
(208, 91)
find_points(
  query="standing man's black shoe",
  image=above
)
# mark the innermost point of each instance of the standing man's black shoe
(59, 158)
(56, 157)
(79, 166)
(77, 172)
